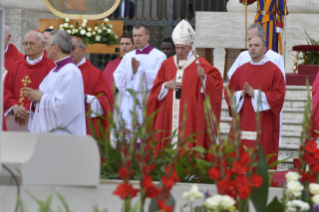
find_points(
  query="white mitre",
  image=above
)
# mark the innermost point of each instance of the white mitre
(183, 34)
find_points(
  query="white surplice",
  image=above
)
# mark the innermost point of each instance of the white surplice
(61, 109)
(141, 82)
(270, 55)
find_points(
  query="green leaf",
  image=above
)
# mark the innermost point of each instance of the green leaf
(275, 206)
(259, 195)
(199, 149)
(305, 196)
(154, 207)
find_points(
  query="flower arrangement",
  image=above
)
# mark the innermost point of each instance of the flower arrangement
(96, 35)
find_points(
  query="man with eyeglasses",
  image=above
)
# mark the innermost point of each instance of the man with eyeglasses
(25, 73)
(11, 53)
(97, 93)
(58, 104)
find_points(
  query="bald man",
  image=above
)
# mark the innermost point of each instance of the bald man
(28, 72)
(11, 53)
(258, 82)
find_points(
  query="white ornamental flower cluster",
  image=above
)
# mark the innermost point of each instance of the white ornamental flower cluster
(294, 187)
(292, 176)
(314, 190)
(219, 202)
(193, 194)
(297, 205)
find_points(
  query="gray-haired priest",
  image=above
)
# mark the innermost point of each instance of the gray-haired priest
(58, 105)
(179, 89)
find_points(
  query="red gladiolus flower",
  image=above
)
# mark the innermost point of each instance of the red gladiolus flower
(308, 158)
(125, 190)
(244, 192)
(168, 182)
(256, 181)
(225, 186)
(125, 173)
(214, 173)
(308, 177)
(163, 207)
(245, 158)
(150, 189)
(148, 169)
(239, 168)
(316, 155)
(315, 168)
(311, 147)
(210, 157)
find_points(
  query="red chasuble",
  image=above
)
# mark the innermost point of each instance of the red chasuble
(109, 70)
(24, 75)
(269, 79)
(12, 56)
(190, 95)
(4, 126)
(95, 84)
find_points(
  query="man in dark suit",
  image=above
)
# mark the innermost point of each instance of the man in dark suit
(125, 9)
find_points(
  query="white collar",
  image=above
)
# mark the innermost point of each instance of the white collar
(6, 48)
(33, 62)
(262, 62)
(181, 62)
(143, 48)
(81, 62)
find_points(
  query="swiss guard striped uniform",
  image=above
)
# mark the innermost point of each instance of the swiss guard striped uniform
(270, 14)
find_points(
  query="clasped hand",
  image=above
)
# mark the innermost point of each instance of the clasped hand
(135, 64)
(33, 95)
(247, 90)
(173, 85)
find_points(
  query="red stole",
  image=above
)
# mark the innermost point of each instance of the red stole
(191, 97)
(109, 70)
(24, 75)
(269, 79)
(11, 57)
(95, 84)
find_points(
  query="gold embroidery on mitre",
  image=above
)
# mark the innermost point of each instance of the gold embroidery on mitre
(25, 81)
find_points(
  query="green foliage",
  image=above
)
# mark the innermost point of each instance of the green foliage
(312, 58)
(275, 205)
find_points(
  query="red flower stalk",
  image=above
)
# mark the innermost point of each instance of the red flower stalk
(125, 190)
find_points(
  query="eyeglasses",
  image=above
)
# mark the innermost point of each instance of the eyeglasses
(73, 48)
(29, 43)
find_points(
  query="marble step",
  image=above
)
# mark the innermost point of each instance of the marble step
(287, 124)
(290, 102)
(288, 113)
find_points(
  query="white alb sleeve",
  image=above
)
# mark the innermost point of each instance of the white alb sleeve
(163, 92)
(95, 106)
(239, 100)
(263, 104)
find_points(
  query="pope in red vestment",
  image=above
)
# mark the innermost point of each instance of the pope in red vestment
(164, 94)
(267, 77)
(98, 94)
(11, 56)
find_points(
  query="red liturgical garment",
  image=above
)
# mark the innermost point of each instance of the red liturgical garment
(192, 99)
(109, 70)
(269, 79)
(11, 57)
(95, 84)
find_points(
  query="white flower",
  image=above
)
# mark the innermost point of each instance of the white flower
(314, 188)
(96, 28)
(292, 176)
(110, 26)
(74, 31)
(116, 37)
(106, 20)
(93, 33)
(68, 31)
(84, 24)
(89, 29)
(65, 24)
(315, 199)
(51, 27)
(212, 203)
(82, 32)
(67, 20)
(109, 31)
(103, 28)
(227, 202)
(80, 27)
(89, 34)
(98, 38)
(85, 21)
(294, 188)
(297, 205)
(193, 194)
(71, 26)
(99, 31)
